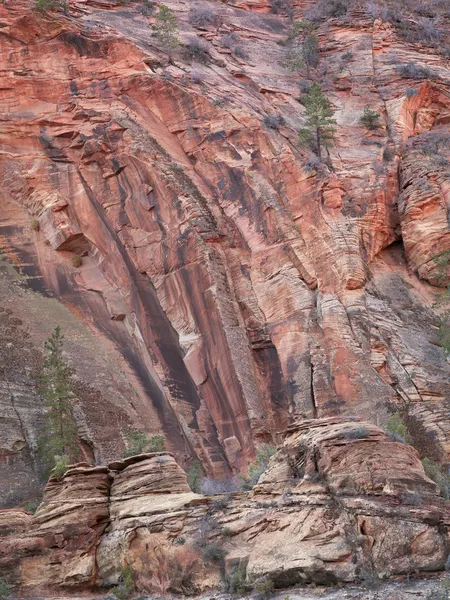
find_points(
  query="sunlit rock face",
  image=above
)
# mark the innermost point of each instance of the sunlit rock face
(229, 284)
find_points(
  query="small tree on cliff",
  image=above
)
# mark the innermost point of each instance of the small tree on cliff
(166, 29)
(320, 127)
(57, 442)
(303, 50)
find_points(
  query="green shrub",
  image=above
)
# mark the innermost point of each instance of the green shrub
(139, 443)
(437, 474)
(442, 593)
(126, 585)
(370, 119)
(34, 224)
(61, 464)
(213, 553)
(194, 476)
(4, 589)
(397, 429)
(235, 581)
(76, 261)
(256, 469)
(31, 506)
(263, 587)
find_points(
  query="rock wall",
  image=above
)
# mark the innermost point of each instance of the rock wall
(339, 502)
(237, 284)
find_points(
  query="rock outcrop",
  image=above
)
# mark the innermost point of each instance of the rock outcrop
(339, 502)
(232, 283)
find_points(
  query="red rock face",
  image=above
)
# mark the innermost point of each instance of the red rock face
(243, 286)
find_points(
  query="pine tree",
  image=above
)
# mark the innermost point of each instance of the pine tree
(166, 29)
(320, 126)
(303, 50)
(57, 444)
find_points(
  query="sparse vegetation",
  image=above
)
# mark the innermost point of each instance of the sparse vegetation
(31, 507)
(233, 42)
(370, 119)
(213, 553)
(59, 435)
(282, 7)
(319, 128)
(236, 580)
(263, 587)
(197, 50)
(42, 6)
(148, 7)
(34, 225)
(358, 433)
(273, 121)
(4, 589)
(413, 71)
(437, 474)
(61, 465)
(257, 468)
(76, 261)
(303, 48)
(210, 487)
(397, 429)
(166, 29)
(126, 585)
(139, 443)
(203, 17)
(388, 154)
(411, 499)
(443, 591)
(194, 476)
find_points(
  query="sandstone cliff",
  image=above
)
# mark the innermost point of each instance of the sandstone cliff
(229, 283)
(339, 502)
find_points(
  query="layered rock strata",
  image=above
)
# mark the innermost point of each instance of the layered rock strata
(339, 502)
(244, 284)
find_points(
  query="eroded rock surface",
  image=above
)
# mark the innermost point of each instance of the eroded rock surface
(244, 285)
(339, 502)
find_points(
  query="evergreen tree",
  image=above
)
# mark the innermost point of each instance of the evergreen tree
(166, 29)
(319, 128)
(303, 50)
(57, 443)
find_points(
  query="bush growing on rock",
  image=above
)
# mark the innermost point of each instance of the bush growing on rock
(356, 434)
(202, 17)
(233, 42)
(4, 589)
(235, 582)
(370, 119)
(256, 469)
(263, 587)
(282, 7)
(126, 585)
(76, 261)
(397, 429)
(61, 465)
(148, 7)
(194, 476)
(139, 443)
(34, 225)
(273, 121)
(197, 50)
(437, 474)
(413, 71)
